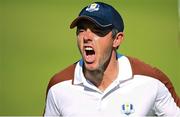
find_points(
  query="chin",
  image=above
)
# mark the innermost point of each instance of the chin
(91, 67)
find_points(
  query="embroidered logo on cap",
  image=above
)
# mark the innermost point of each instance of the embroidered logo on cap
(92, 7)
(127, 109)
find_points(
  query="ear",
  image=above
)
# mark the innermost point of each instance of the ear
(118, 39)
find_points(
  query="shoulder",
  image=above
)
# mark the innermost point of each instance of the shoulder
(63, 75)
(141, 68)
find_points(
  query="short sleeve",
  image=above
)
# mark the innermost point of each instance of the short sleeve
(165, 104)
(51, 108)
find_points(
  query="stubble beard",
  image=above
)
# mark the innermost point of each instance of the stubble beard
(96, 75)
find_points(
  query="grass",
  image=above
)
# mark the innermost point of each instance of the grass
(36, 42)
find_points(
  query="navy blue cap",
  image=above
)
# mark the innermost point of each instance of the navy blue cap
(102, 14)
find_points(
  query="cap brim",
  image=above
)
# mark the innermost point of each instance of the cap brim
(80, 18)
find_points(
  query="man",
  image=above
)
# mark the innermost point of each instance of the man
(103, 82)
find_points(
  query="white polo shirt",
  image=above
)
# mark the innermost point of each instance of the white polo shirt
(128, 95)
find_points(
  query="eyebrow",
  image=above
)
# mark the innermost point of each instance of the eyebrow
(93, 27)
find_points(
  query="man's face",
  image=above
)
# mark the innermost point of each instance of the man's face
(95, 45)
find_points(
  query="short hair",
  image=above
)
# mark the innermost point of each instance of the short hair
(114, 32)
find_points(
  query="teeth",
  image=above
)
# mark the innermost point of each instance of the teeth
(88, 48)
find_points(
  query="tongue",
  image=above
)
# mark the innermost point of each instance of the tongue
(90, 58)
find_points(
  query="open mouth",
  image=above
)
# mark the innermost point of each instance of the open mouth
(89, 54)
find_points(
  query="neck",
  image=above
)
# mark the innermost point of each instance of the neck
(103, 77)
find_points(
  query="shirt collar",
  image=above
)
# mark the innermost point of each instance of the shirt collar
(125, 71)
(78, 73)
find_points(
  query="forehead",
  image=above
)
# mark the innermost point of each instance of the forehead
(85, 24)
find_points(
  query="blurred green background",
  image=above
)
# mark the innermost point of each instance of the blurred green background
(36, 43)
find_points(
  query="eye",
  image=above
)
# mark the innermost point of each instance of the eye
(79, 31)
(101, 32)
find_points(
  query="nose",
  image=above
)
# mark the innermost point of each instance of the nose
(88, 36)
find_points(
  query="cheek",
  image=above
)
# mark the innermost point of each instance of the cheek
(106, 44)
(79, 44)
(105, 47)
